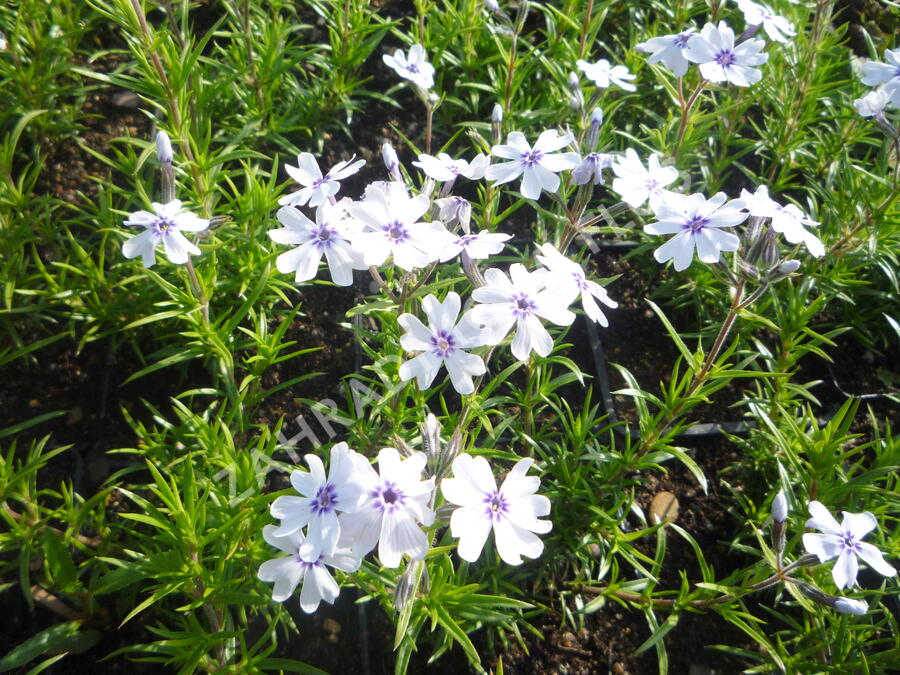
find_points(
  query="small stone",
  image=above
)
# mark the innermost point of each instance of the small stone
(331, 626)
(664, 507)
(76, 414)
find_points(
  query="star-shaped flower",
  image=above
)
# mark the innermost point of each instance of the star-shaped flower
(513, 512)
(844, 542)
(696, 221)
(885, 74)
(413, 67)
(288, 572)
(636, 184)
(317, 189)
(788, 220)
(603, 74)
(591, 168)
(777, 27)
(165, 225)
(721, 61)
(443, 343)
(479, 245)
(669, 49)
(444, 168)
(537, 165)
(568, 277)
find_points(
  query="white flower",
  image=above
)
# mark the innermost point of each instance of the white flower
(591, 168)
(454, 210)
(850, 606)
(393, 220)
(788, 220)
(164, 225)
(480, 246)
(886, 74)
(569, 279)
(695, 222)
(519, 301)
(873, 103)
(413, 67)
(287, 573)
(317, 189)
(445, 168)
(602, 74)
(397, 501)
(538, 166)
(669, 49)
(512, 512)
(442, 343)
(329, 235)
(636, 184)
(720, 60)
(777, 27)
(843, 542)
(343, 490)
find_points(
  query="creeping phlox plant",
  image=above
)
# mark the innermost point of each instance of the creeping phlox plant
(541, 178)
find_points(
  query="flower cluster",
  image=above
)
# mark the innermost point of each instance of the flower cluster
(354, 510)
(885, 77)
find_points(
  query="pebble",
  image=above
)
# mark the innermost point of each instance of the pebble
(664, 507)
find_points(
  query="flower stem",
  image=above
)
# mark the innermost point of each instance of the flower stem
(198, 291)
(685, 113)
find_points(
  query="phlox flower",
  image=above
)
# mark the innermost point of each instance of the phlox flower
(788, 220)
(317, 189)
(329, 236)
(519, 299)
(343, 490)
(669, 49)
(721, 61)
(636, 184)
(480, 245)
(513, 512)
(844, 543)
(777, 27)
(568, 278)
(442, 343)
(537, 165)
(885, 74)
(396, 501)
(413, 66)
(696, 221)
(394, 228)
(873, 103)
(165, 225)
(288, 572)
(850, 606)
(444, 168)
(591, 168)
(603, 74)
(454, 210)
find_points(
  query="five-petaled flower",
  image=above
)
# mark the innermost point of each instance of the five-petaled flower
(317, 189)
(329, 236)
(537, 165)
(568, 277)
(721, 61)
(603, 74)
(342, 491)
(413, 67)
(479, 245)
(885, 74)
(696, 221)
(443, 343)
(591, 168)
(164, 226)
(777, 27)
(513, 512)
(444, 168)
(397, 499)
(288, 572)
(669, 49)
(788, 220)
(519, 299)
(844, 542)
(637, 184)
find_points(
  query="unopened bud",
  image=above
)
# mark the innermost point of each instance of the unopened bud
(492, 6)
(496, 122)
(779, 507)
(788, 267)
(470, 269)
(497, 114)
(164, 154)
(408, 584)
(850, 606)
(807, 560)
(594, 128)
(391, 161)
(814, 593)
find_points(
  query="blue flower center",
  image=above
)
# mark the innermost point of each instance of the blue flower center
(326, 499)
(725, 58)
(522, 305)
(496, 505)
(531, 157)
(442, 344)
(396, 232)
(695, 224)
(412, 67)
(323, 236)
(162, 225)
(681, 40)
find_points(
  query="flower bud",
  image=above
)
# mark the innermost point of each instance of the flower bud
(391, 161)
(788, 267)
(496, 121)
(2, 41)
(814, 593)
(807, 560)
(779, 507)
(409, 583)
(164, 154)
(492, 6)
(594, 128)
(470, 269)
(850, 606)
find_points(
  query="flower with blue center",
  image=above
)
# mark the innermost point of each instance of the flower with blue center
(696, 223)
(289, 571)
(777, 27)
(603, 74)
(396, 501)
(568, 277)
(329, 236)
(164, 226)
(669, 49)
(412, 66)
(537, 165)
(442, 343)
(887, 75)
(317, 189)
(844, 542)
(512, 512)
(323, 498)
(721, 60)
